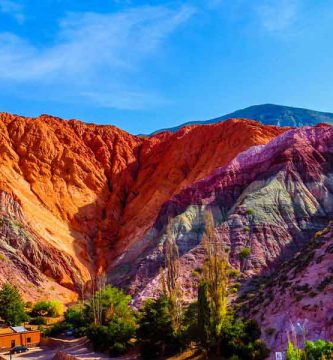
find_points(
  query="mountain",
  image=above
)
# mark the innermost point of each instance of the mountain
(270, 114)
(275, 199)
(75, 198)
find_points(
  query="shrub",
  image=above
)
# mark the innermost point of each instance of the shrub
(233, 273)
(39, 320)
(57, 329)
(313, 350)
(75, 316)
(53, 308)
(244, 253)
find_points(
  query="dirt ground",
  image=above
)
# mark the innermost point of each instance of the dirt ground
(78, 348)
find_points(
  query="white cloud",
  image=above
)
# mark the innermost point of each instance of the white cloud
(12, 8)
(278, 15)
(94, 56)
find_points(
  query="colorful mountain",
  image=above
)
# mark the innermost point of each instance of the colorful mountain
(78, 199)
(75, 196)
(272, 199)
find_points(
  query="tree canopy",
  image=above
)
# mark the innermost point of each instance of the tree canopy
(11, 305)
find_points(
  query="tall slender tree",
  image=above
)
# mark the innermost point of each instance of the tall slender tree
(171, 285)
(98, 284)
(215, 278)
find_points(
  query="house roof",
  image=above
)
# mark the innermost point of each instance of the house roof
(19, 329)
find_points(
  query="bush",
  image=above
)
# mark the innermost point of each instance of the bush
(39, 320)
(318, 350)
(233, 273)
(313, 350)
(53, 308)
(75, 316)
(244, 253)
(57, 329)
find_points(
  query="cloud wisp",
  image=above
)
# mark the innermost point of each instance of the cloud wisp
(94, 56)
(12, 8)
(278, 15)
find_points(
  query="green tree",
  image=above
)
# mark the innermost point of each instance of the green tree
(12, 305)
(241, 338)
(155, 333)
(112, 302)
(293, 352)
(216, 279)
(171, 286)
(113, 337)
(117, 320)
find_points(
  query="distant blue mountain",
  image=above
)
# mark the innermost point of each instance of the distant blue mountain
(270, 114)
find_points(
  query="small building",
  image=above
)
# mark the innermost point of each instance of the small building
(18, 335)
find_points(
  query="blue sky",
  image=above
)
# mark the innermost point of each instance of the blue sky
(146, 65)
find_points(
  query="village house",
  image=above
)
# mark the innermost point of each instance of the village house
(18, 335)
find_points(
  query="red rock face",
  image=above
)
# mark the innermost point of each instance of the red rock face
(89, 193)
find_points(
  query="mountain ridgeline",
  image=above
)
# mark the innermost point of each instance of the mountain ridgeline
(269, 114)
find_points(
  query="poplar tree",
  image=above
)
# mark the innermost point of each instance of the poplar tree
(170, 285)
(215, 280)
